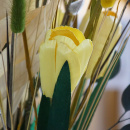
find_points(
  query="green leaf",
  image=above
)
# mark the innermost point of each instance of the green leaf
(81, 94)
(43, 113)
(116, 69)
(126, 98)
(93, 3)
(60, 109)
(95, 11)
(127, 127)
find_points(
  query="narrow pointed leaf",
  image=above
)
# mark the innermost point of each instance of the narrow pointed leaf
(60, 109)
(93, 3)
(43, 113)
(116, 69)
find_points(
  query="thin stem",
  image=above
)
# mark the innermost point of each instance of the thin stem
(56, 15)
(122, 115)
(2, 113)
(7, 89)
(114, 125)
(8, 61)
(2, 121)
(28, 65)
(76, 97)
(124, 120)
(117, 121)
(122, 13)
(21, 117)
(10, 81)
(103, 19)
(79, 109)
(66, 16)
(102, 22)
(114, 46)
(8, 57)
(33, 102)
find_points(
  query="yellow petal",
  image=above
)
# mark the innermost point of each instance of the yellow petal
(110, 13)
(67, 41)
(64, 53)
(72, 33)
(60, 46)
(99, 42)
(66, 33)
(84, 51)
(77, 33)
(107, 3)
(47, 67)
(52, 57)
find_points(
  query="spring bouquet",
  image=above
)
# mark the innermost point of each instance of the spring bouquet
(54, 71)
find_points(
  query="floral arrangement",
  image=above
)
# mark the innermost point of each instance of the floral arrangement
(54, 72)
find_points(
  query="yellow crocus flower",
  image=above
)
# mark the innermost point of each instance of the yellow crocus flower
(61, 44)
(107, 3)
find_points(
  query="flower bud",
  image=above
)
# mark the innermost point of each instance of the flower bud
(107, 3)
(61, 44)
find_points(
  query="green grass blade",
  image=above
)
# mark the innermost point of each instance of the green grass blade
(81, 94)
(94, 12)
(43, 113)
(93, 3)
(60, 109)
(116, 69)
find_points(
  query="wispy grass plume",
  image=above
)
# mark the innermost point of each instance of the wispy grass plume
(18, 16)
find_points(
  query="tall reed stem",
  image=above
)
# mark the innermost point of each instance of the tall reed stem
(28, 65)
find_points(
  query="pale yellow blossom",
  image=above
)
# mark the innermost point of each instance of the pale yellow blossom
(61, 44)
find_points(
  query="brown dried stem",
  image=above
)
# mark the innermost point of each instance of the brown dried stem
(28, 65)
